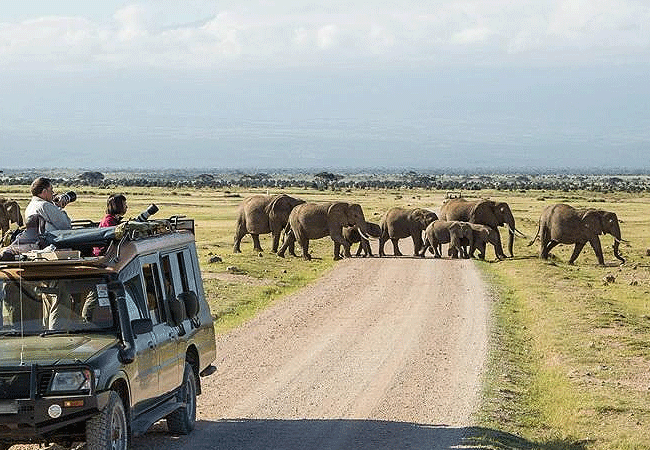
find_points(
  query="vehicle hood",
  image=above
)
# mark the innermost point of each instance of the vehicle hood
(50, 350)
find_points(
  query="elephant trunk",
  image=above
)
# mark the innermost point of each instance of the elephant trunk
(617, 240)
(511, 235)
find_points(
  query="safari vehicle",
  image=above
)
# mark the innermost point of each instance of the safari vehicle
(97, 349)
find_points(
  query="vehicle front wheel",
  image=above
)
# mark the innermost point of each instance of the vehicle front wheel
(108, 429)
(182, 420)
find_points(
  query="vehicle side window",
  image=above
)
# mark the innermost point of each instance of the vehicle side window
(168, 278)
(154, 292)
(134, 297)
(182, 268)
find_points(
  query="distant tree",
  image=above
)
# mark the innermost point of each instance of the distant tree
(91, 178)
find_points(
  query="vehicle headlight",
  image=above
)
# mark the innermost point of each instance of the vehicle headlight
(68, 381)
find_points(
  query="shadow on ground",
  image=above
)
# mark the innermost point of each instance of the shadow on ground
(308, 434)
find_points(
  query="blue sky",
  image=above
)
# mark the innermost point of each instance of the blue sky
(295, 84)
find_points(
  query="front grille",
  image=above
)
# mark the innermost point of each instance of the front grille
(14, 385)
(44, 379)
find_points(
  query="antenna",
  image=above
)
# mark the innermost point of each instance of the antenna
(20, 296)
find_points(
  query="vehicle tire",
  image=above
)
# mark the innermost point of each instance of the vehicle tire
(108, 429)
(183, 419)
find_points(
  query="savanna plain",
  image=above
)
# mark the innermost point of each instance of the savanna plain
(569, 344)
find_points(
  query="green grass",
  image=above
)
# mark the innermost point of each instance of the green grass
(570, 357)
(570, 352)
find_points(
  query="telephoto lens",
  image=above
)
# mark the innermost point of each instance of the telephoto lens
(65, 198)
(144, 215)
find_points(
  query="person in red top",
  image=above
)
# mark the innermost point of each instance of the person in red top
(115, 209)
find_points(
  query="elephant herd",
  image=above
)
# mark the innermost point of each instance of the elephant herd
(465, 225)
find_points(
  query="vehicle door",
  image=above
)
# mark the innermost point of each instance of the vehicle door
(170, 374)
(143, 372)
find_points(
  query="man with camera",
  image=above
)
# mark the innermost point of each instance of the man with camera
(48, 207)
(43, 213)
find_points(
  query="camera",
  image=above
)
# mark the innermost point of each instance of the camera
(144, 215)
(65, 198)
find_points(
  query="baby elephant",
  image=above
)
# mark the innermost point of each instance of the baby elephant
(352, 235)
(482, 234)
(457, 234)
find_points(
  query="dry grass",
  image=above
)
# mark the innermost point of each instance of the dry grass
(569, 368)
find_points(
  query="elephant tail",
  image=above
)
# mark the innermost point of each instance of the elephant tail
(539, 226)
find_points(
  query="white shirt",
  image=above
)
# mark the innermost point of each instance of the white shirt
(55, 218)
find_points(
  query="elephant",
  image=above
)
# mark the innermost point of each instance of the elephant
(457, 234)
(261, 214)
(485, 212)
(316, 220)
(399, 223)
(564, 224)
(352, 235)
(9, 213)
(482, 235)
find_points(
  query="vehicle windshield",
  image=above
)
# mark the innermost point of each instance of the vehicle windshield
(54, 305)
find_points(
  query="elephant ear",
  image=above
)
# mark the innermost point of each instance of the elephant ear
(340, 211)
(418, 215)
(593, 220)
(280, 206)
(483, 212)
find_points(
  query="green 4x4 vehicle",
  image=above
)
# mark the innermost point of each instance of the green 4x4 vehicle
(97, 349)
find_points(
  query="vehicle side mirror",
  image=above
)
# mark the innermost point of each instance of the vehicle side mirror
(141, 326)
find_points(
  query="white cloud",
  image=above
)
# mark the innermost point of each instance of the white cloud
(131, 23)
(472, 35)
(299, 34)
(326, 36)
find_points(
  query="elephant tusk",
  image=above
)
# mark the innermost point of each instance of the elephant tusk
(521, 234)
(621, 240)
(516, 231)
(365, 236)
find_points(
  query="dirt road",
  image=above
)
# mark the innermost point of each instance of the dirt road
(381, 353)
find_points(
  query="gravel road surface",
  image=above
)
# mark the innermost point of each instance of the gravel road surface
(380, 353)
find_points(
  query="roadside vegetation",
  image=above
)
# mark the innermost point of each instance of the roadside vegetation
(571, 344)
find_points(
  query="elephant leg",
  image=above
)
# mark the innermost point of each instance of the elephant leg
(239, 235)
(359, 249)
(276, 241)
(425, 247)
(436, 249)
(367, 247)
(337, 251)
(304, 243)
(498, 248)
(346, 249)
(576, 251)
(382, 241)
(598, 250)
(417, 244)
(396, 251)
(256, 242)
(548, 247)
(289, 243)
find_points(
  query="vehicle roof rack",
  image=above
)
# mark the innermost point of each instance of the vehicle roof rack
(85, 235)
